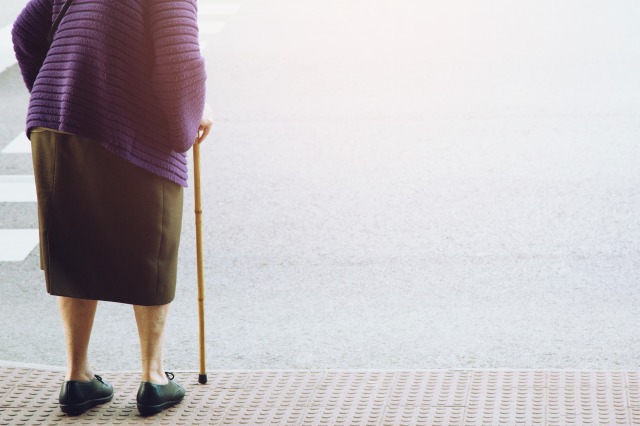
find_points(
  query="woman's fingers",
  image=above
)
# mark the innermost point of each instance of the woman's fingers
(203, 132)
(205, 123)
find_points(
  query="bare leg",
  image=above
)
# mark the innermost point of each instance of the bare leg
(151, 321)
(77, 321)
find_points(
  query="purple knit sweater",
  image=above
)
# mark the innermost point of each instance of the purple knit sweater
(125, 73)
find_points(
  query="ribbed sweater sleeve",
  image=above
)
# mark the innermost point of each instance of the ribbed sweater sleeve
(29, 36)
(178, 72)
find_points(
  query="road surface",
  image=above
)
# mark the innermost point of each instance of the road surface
(416, 184)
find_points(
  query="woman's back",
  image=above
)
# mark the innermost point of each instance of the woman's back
(125, 73)
(123, 77)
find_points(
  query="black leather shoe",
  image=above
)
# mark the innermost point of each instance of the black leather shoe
(77, 397)
(154, 398)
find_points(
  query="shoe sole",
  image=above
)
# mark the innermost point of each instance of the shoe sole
(148, 410)
(77, 409)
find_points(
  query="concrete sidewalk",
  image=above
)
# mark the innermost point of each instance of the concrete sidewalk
(28, 396)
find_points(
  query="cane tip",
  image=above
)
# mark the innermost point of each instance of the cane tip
(202, 379)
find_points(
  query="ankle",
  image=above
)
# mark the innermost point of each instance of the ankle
(79, 374)
(155, 377)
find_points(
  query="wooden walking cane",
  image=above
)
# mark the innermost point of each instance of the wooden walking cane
(202, 377)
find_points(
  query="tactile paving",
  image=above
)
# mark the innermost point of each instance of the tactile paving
(28, 396)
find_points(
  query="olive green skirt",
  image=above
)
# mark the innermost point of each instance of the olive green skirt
(109, 230)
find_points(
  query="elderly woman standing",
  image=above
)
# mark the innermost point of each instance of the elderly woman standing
(117, 98)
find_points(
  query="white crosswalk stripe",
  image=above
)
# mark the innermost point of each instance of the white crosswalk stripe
(16, 244)
(19, 145)
(7, 57)
(17, 189)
